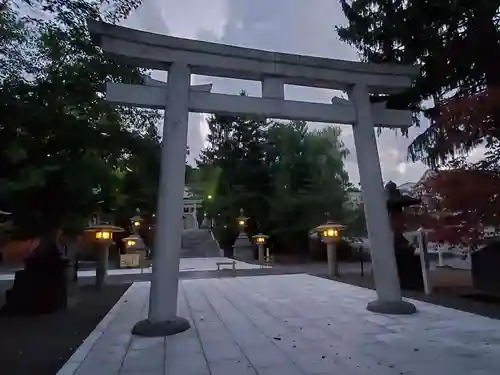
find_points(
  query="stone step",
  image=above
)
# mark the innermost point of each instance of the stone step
(199, 244)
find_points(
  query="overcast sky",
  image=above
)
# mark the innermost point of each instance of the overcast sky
(292, 26)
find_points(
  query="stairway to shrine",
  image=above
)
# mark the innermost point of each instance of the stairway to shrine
(199, 243)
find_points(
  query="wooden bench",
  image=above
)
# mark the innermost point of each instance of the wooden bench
(232, 264)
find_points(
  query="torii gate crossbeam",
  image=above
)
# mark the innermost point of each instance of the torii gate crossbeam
(183, 57)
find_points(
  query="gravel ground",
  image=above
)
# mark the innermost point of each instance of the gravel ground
(41, 345)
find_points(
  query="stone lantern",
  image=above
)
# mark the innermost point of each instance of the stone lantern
(134, 246)
(330, 235)
(103, 237)
(242, 248)
(261, 239)
(136, 224)
(134, 242)
(242, 221)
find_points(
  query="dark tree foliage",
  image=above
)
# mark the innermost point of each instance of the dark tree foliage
(285, 177)
(457, 45)
(64, 151)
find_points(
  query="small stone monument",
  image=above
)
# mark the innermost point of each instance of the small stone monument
(242, 248)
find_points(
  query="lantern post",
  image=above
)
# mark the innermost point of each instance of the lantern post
(330, 235)
(103, 237)
(242, 248)
(261, 239)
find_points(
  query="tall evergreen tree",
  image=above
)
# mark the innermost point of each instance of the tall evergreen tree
(235, 156)
(449, 40)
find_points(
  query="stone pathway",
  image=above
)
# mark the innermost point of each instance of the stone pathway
(186, 265)
(288, 324)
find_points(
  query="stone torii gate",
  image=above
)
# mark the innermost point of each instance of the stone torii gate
(183, 57)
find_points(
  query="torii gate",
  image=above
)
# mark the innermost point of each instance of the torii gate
(183, 57)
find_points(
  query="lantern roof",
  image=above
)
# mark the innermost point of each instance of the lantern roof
(104, 227)
(242, 215)
(131, 237)
(329, 225)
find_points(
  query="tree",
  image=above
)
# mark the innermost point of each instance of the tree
(447, 39)
(138, 178)
(309, 181)
(355, 223)
(458, 205)
(286, 178)
(202, 180)
(60, 140)
(236, 174)
(12, 36)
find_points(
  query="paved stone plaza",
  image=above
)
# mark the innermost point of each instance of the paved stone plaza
(293, 324)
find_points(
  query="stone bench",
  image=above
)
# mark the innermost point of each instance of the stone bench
(232, 264)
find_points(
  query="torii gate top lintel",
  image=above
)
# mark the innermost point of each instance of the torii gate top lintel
(156, 51)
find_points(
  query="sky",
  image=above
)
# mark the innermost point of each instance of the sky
(292, 26)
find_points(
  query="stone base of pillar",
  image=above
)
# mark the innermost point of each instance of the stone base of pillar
(146, 328)
(243, 248)
(391, 307)
(101, 271)
(261, 253)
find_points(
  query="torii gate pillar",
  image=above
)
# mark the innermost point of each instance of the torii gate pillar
(385, 274)
(163, 319)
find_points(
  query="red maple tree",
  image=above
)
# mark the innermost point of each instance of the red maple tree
(458, 204)
(462, 198)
